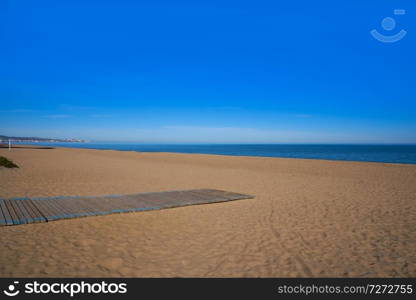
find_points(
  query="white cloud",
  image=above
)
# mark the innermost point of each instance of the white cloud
(58, 116)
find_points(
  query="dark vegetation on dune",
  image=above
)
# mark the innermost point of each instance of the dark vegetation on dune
(4, 162)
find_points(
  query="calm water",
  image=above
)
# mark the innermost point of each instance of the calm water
(372, 153)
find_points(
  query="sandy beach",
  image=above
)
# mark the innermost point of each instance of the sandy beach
(310, 218)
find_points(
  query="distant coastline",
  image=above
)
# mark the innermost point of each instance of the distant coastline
(5, 139)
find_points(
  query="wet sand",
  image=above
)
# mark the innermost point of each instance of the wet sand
(309, 218)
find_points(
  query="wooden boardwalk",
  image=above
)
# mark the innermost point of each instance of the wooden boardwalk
(18, 211)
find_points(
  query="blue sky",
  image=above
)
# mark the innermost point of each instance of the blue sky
(207, 71)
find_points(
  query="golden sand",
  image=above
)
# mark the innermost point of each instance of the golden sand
(309, 218)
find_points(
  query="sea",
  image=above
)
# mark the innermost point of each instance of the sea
(403, 154)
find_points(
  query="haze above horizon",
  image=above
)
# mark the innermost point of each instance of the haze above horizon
(208, 71)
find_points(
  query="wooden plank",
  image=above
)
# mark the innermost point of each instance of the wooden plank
(102, 205)
(2, 217)
(53, 212)
(7, 216)
(39, 217)
(82, 206)
(57, 204)
(121, 204)
(199, 196)
(90, 206)
(40, 204)
(180, 198)
(86, 207)
(25, 212)
(97, 204)
(34, 213)
(164, 199)
(11, 211)
(168, 200)
(110, 203)
(64, 207)
(15, 217)
(152, 199)
(230, 195)
(137, 202)
(67, 207)
(127, 203)
(189, 198)
(214, 194)
(116, 204)
(44, 207)
(19, 211)
(186, 198)
(78, 207)
(25, 206)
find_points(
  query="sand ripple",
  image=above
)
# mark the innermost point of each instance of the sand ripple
(309, 218)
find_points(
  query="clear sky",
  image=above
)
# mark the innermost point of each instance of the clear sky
(208, 71)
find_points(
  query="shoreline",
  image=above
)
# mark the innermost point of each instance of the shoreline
(235, 155)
